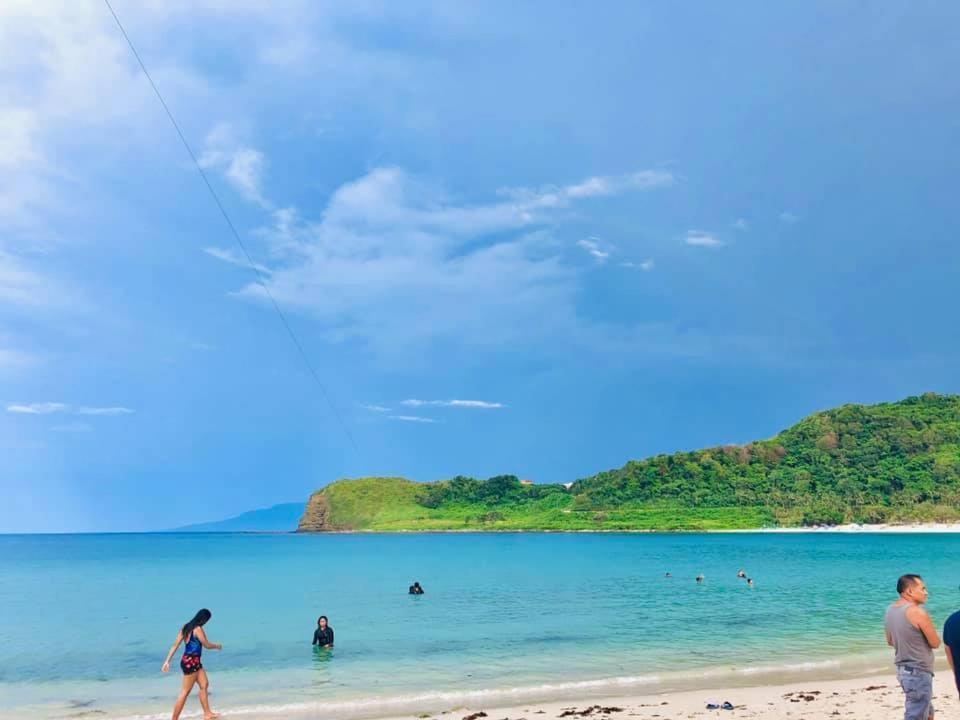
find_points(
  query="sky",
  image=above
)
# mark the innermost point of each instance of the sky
(538, 238)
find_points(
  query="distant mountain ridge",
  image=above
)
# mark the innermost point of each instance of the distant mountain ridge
(277, 518)
(890, 462)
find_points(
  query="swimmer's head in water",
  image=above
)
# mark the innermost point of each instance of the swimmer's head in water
(322, 621)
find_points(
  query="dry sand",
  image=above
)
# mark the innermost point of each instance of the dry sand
(873, 698)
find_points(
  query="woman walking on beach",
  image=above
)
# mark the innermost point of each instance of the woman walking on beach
(194, 640)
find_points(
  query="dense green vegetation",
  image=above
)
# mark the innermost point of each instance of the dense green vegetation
(893, 462)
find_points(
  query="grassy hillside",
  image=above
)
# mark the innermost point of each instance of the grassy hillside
(891, 462)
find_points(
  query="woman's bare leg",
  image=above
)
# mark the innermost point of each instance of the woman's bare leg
(204, 683)
(185, 688)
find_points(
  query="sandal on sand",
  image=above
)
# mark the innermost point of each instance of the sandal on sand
(727, 705)
(712, 706)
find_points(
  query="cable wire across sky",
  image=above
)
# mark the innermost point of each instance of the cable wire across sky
(236, 235)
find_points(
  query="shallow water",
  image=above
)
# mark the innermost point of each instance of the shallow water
(85, 620)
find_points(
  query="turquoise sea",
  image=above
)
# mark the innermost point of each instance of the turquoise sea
(85, 620)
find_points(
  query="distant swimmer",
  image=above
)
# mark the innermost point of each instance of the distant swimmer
(741, 574)
(750, 582)
(194, 639)
(323, 635)
(668, 574)
(700, 579)
(415, 589)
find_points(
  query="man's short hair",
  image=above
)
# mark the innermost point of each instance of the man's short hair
(905, 582)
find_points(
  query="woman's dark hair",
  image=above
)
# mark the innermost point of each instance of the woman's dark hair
(199, 620)
(322, 617)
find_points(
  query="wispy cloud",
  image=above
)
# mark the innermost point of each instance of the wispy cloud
(789, 218)
(593, 247)
(482, 404)
(241, 165)
(741, 224)
(699, 238)
(229, 255)
(107, 411)
(51, 408)
(412, 418)
(43, 408)
(645, 265)
(376, 408)
(396, 262)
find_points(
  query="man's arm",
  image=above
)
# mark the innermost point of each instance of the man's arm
(889, 637)
(922, 622)
(949, 654)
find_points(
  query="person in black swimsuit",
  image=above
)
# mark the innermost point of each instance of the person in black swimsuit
(415, 589)
(194, 640)
(323, 635)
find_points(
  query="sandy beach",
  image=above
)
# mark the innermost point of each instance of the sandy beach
(860, 528)
(872, 698)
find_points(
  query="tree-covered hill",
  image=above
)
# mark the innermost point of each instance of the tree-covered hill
(893, 462)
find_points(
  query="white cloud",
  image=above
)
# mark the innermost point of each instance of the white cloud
(741, 224)
(699, 238)
(376, 408)
(241, 165)
(412, 418)
(789, 218)
(593, 247)
(645, 265)
(483, 404)
(50, 408)
(43, 408)
(396, 262)
(109, 411)
(234, 257)
(553, 196)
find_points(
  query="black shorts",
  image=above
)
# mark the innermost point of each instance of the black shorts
(190, 664)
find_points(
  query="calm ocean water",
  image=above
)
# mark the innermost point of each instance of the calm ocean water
(85, 621)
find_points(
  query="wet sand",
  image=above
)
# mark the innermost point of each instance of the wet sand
(873, 698)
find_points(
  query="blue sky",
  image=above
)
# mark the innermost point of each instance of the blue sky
(614, 231)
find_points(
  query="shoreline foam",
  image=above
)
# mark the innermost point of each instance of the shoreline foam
(872, 697)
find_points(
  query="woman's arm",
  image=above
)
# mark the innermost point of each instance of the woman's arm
(173, 648)
(202, 637)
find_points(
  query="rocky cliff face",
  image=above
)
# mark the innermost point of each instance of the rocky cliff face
(316, 515)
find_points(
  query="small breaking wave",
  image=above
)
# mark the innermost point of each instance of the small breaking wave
(437, 700)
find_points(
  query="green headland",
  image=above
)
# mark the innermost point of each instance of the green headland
(886, 463)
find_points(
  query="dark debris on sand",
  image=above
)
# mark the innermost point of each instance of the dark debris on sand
(475, 716)
(805, 695)
(592, 710)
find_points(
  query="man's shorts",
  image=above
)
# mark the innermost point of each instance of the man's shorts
(917, 687)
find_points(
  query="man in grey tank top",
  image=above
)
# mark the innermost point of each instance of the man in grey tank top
(911, 633)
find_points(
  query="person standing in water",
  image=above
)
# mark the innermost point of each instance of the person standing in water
(194, 640)
(323, 635)
(415, 589)
(911, 634)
